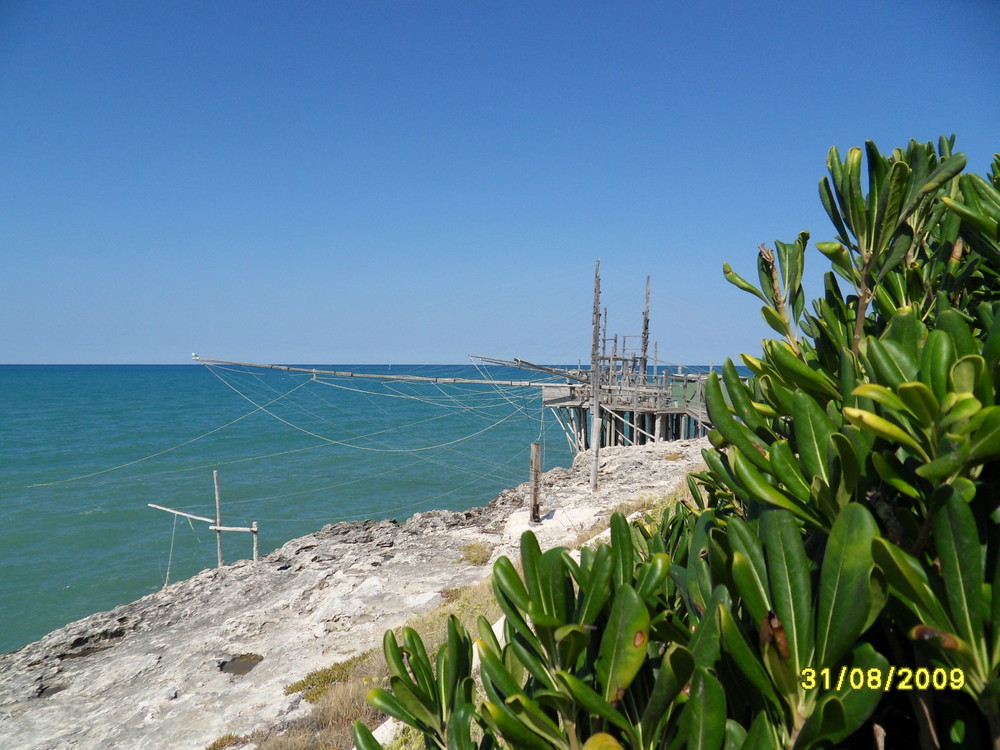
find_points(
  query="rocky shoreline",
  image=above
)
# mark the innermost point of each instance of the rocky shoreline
(212, 654)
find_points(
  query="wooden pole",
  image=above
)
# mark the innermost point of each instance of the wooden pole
(218, 516)
(644, 359)
(536, 481)
(253, 529)
(180, 513)
(595, 381)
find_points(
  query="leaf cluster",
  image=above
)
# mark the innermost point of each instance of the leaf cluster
(848, 523)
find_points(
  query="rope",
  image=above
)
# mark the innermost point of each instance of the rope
(310, 433)
(167, 450)
(170, 556)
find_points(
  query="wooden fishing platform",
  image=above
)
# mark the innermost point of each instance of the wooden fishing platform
(667, 407)
(637, 401)
(626, 397)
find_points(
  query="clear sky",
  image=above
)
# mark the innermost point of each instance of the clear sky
(416, 181)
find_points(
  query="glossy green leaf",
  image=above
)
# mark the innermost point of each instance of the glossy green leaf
(651, 577)
(877, 425)
(946, 170)
(890, 208)
(364, 739)
(812, 435)
(705, 712)
(954, 324)
(893, 363)
(881, 395)
(779, 396)
(748, 568)
(830, 195)
(496, 672)
(676, 669)
(774, 319)
(958, 548)
(968, 375)
(705, 645)
(986, 437)
(838, 256)
(736, 735)
(791, 591)
(859, 704)
(531, 557)
(532, 716)
(623, 645)
(829, 717)
(534, 661)
(571, 641)
(786, 468)
(762, 735)
(597, 588)
(739, 397)
(420, 665)
(850, 467)
(909, 581)
(459, 728)
(503, 722)
(958, 408)
(592, 701)
(557, 593)
(937, 358)
(745, 657)
(764, 492)
(734, 432)
(389, 704)
(506, 578)
(946, 464)
(844, 596)
(738, 281)
(622, 550)
(891, 475)
(920, 401)
(794, 370)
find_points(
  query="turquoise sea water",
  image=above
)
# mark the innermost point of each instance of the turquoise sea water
(85, 449)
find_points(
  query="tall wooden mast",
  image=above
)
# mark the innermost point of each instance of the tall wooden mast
(595, 380)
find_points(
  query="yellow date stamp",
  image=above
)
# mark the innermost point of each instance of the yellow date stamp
(876, 678)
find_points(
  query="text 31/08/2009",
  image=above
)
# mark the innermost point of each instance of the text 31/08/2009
(876, 678)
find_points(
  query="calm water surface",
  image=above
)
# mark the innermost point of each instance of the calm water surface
(85, 449)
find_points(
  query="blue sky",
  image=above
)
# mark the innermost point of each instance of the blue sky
(419, 181)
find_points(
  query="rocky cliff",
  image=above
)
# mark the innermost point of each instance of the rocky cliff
(212, 654)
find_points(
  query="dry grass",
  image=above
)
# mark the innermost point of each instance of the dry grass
(329, 726)
(338, 692)
(227, 740)
(476, 553)
(368, 665)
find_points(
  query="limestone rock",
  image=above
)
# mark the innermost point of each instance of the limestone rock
(153, 673)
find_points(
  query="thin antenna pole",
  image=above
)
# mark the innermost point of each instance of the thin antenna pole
(644, 359)
(595, 380)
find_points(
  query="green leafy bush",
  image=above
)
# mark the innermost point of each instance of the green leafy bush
(832, 584)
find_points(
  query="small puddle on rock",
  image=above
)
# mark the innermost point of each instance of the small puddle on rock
(241, 665)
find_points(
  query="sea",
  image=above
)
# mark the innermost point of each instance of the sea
(85, 450)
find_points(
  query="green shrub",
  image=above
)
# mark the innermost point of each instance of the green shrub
(843, 542)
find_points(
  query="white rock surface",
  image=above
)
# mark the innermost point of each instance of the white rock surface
(148, 674)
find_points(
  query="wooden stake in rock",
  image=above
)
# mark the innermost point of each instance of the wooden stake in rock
(595, 382)
(218, 516)
(215, 526)
(536, 481)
